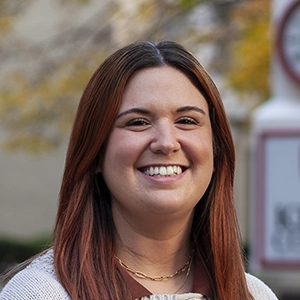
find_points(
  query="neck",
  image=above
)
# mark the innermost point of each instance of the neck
(156, 248)
(178, 282)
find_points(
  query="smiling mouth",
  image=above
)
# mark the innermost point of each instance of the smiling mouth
(162, 170)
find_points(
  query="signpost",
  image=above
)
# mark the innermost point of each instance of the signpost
(275, 161)
(278, 199)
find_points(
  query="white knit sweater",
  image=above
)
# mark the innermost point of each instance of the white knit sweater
(39, 282)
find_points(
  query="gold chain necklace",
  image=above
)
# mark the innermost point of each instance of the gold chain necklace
(187, 266)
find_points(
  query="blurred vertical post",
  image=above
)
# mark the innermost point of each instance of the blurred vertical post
(275, 160)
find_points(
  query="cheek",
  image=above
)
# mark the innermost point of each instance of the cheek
(119, 152)
(204, 150)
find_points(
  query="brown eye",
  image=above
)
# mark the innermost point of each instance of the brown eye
(137, 122)
(187, 121)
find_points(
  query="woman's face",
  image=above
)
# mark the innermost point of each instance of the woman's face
(159, 156)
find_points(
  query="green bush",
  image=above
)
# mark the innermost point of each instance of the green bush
(16, 251)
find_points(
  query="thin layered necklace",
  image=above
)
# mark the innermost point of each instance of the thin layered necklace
(186, 268)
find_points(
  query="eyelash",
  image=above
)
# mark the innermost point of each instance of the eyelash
(187, 121)
(137, 122)
(143, 122)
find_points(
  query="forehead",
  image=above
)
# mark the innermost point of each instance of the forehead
(161, 84)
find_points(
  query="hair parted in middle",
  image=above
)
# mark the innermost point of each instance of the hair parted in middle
(84, 235)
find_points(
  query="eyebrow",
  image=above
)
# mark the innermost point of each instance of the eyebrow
(147, 112)
(133, 110)
(189, 108)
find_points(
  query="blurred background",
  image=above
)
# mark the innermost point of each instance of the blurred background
(48, 51)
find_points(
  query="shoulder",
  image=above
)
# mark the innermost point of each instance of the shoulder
(258, 289)
(36, 282)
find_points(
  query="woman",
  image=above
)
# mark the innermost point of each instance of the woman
(146, 204)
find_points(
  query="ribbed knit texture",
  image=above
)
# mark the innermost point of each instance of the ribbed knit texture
(36, 282)
(39, 282)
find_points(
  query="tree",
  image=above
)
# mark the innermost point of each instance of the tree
(40, 93)
(250, 51)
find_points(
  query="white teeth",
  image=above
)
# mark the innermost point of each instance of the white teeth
(170, 170)
(179, 170)
(163, 171)
(151, 171)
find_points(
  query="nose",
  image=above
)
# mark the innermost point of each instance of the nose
(165, 138)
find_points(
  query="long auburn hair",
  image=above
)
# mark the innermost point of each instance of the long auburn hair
(84, 234)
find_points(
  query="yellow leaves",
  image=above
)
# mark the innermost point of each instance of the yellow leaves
(38, 114)
(37, 111)
(189, 4)
(5, 23)
(250, 54)
(75, 1)
(251, 12)
(22, 114)
(9, 10)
